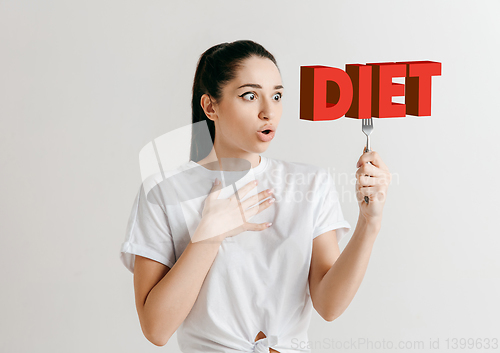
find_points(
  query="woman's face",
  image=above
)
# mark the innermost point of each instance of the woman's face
(250, 103)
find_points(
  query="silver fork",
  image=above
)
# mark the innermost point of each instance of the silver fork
(367, 128)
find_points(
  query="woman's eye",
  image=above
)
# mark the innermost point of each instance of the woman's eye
(250, 95)
(277, 95)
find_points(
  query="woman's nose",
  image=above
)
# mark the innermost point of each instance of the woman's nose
(267, 110)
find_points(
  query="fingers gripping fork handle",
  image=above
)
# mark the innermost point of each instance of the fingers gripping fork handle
(367, 128)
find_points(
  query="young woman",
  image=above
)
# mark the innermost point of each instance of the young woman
(202, 269)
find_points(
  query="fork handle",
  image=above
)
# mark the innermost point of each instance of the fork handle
(367, 149)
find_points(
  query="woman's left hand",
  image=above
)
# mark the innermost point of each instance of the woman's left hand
(372, 180)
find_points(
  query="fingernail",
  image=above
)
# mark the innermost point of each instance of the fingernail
(269, 224)
(270, 191)
(271, 200)
(217, 182)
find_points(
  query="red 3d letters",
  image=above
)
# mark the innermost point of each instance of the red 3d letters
(364, 91)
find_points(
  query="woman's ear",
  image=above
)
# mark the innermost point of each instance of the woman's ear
(208, 107)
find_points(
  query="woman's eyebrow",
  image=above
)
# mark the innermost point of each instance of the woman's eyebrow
(257, 86)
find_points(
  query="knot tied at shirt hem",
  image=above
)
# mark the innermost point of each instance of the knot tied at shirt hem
(263, 345)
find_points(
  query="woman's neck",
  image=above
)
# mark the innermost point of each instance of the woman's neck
(231, 164)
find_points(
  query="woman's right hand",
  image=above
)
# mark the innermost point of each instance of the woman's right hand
(222, 218)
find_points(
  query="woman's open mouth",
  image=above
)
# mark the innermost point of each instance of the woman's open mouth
(265, 135)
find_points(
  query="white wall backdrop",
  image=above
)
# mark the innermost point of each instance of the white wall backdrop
(85, 85)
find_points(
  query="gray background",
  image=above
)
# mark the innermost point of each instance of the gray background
(85, 85)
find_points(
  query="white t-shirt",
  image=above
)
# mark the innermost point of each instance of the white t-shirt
(259, 279)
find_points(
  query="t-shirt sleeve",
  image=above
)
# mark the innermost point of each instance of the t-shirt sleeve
(329, 215)
(148, 232)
